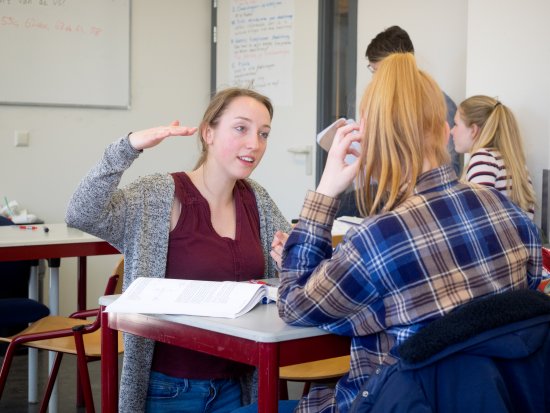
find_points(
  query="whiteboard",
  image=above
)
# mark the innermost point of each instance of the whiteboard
(65, 53)
(260, 42)
(271, 46)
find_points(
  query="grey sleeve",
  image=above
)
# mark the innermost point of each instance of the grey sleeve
(97, 206)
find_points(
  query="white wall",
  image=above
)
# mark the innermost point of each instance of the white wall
(437, 29)
(507, 55)
(509, 58)
(492, 47)
(170, 79)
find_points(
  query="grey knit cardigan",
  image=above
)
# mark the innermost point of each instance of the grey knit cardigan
(136, 221)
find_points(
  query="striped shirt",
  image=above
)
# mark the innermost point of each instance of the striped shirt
(448, 243)
(486, 167)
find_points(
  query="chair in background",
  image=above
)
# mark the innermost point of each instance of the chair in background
(319, 371)
(546, 258)
(15, 314)
(16, 310)
(544, 286)
(66, 335)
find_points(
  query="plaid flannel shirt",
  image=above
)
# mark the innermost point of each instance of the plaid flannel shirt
(449, 243)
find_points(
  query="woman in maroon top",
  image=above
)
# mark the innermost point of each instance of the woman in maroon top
(214, 235)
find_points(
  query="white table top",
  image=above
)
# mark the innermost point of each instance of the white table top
(14, 236)
(261, 324)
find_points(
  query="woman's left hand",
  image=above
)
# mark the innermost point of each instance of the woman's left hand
(277, 247)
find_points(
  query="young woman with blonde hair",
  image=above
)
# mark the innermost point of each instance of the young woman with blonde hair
(488, 130)
(211, 223)
(422, 249)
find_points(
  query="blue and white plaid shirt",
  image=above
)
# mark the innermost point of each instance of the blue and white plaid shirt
(449, 243)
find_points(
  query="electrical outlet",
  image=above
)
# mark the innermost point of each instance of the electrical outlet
(21, 138)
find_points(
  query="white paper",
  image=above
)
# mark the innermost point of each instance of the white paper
(262, 47)
(350, 220)
(203, 298)
(342, 224)
(340, 228)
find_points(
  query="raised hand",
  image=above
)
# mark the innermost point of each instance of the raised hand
(152, 137)
(338, 174)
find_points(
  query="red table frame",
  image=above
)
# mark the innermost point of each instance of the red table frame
(80, 250)
(267, 357)
(40, 245)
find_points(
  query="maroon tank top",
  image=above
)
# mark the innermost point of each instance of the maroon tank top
(197, 252)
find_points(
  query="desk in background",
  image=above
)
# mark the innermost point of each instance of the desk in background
(59, 242)
(341, 225)
(259, 338)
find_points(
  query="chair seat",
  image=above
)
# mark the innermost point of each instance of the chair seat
(92, 341)
(316, 370)
(59, 335)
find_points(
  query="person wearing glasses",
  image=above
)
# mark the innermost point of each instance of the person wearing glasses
(392, 40)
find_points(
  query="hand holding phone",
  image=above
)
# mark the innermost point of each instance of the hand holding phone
(326, 136)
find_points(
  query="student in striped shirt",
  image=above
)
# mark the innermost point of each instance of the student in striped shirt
(488, 130)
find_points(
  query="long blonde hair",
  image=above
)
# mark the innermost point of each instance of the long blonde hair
(498, 129)
(405, 113)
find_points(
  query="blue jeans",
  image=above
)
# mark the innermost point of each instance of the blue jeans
(285, 406)
(172, 394)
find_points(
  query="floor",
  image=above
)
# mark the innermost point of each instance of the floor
(14, 399)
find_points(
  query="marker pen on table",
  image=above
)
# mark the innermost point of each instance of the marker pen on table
(260, 282)
(28, 227)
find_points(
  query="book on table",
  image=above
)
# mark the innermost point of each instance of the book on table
(227, 299)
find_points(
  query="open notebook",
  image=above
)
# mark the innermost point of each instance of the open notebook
(227, 299)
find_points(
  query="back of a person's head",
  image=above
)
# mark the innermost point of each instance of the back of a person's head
(404, 112)
(392, 40)
(498, 129)
(497, 125)
(491, 117)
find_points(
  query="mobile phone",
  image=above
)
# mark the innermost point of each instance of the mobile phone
(326, 136)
